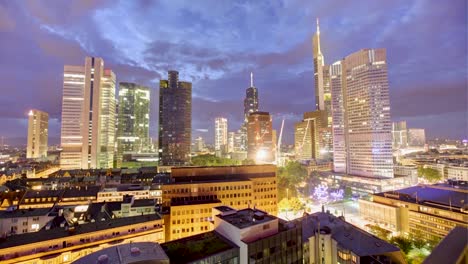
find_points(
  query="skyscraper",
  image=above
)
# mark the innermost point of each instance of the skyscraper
(88, 116)
(399, 134)
(175, 120)
(361, 115)
(307, 135)
(260, 137)
(38, 126)
(251, 100)
(221, 136)
(322, 95)
(133, 119)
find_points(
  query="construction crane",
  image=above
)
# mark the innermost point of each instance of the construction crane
(278, 146)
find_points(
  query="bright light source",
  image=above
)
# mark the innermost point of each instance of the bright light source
(30, 113)
(261, 155)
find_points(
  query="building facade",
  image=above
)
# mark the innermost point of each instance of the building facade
(416, 137)
(221, 136)
(38, 132)
(399, 134)
(428, 212)
(88, 116)
(260, 138)
(308, 135)
(175, 120)
(133, 119)
(361, 115)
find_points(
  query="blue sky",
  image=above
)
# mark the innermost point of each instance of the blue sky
(215, 45)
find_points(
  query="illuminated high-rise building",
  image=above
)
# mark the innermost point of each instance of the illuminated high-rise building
(250, 106)
(307, 135)
(399, 134)
(260, 138)
(175, 120)
(133, 119)
(88, 116)
(221, 136)
(416, 137)
(361, 115)
(38, 126)
(322, 95)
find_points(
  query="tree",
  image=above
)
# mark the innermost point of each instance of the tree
(296, 204)
(403, 243)
(430, 174)
(348, 192)
(212, 160)
(283, 205)
(380, 232)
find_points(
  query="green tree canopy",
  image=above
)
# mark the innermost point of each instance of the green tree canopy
(212, 160)
(432, 175)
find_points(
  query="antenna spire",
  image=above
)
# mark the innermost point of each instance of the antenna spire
(318, 27)
(251, 79)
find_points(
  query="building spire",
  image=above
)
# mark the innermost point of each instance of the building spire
(318, 37)
(251, 79)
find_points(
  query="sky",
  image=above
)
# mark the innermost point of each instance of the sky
(216, 44)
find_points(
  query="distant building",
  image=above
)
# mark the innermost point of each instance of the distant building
(428, 212)
(399, 134)
(133, 119)
(38, 131)
(361, 115)
(221, 136)
(175, 120)
(230, 141)
(308, 135)
(260, 137)
(250, 106)
(416, 137)
(88, 116)
(199, 145)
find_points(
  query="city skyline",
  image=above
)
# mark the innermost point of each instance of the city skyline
(420, 89)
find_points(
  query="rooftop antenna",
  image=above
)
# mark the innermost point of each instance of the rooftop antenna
(251, 79)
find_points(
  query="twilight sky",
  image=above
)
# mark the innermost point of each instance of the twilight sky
(215, 44)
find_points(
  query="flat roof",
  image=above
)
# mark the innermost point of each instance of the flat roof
(147, 252)
(197, 247)
(451, 248)
(430, 195)
(223, 208)
(44, 235)
(247, 217)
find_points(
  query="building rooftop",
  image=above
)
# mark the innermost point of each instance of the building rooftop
(348, 236)
(44, 235)
(452, 249)
(140, 252)
(247, 217)
(196, 247)
(24, 213)
(431, 195)
(86, 191)
(223, 208)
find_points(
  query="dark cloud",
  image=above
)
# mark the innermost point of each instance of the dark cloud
(216, 45)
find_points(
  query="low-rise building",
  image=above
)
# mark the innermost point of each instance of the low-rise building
(429, 212)
(65, 245)
(261, 238)
(190, 216)
(330, 239)
(140, 252)
(13, 222)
